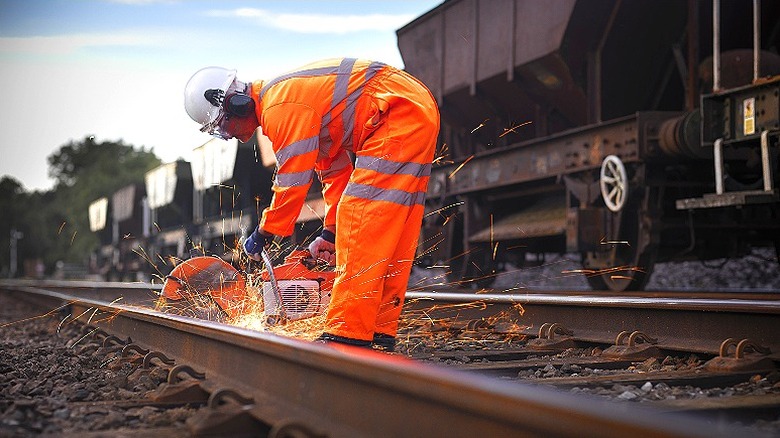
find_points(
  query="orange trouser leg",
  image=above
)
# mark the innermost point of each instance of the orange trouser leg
(397, 280)
(380, 213)
(367, 231)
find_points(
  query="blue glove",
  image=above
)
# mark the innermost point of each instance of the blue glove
(255, 243)
(324, 247)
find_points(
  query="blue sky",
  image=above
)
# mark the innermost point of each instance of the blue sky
(117, 69)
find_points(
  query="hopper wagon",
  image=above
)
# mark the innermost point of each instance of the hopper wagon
(625, 132)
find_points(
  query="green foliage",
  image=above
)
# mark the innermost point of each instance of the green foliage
(27, 214)
(84, 172)
(11, 192)
(56, 223)
(99, 167)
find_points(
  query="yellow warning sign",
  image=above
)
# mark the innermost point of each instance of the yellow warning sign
(749, 116)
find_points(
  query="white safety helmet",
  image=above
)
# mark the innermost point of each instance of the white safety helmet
(204, 95)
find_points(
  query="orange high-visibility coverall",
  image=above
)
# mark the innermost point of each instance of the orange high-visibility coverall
(316, 117)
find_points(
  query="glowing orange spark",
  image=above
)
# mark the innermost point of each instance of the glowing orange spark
(49, 313)
(578, 271)
(59, 326)
(91, 332)
(480, 126)
(460, 167)
(613, 242)
(512, 129)
(491, 236)
(441, 154)
(457, 204)
(89, 320)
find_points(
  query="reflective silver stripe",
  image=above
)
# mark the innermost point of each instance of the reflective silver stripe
(340, 93)
(337, 165)
(294, 149)
(373, 69)
(348, 115)
(392, 167)
(372, 193)
(294, 178)
(340, 88)
(322, 71)
(342, 80)
(349, 111)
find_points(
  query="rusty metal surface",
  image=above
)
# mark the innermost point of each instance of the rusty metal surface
(354, 392)
(725, 116)
(559, 64)
(681, 320)
(489, 28)
(504, 53)
(116, 292)
(629, 138)
(685, 324)
(712, 200)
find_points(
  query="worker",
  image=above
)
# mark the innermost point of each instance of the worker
(368, 131)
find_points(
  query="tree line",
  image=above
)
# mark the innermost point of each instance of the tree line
(51, 227)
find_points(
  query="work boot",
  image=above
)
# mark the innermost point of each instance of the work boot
(383, 342)
(327, 337)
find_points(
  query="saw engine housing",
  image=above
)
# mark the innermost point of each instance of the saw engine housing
(303, 284)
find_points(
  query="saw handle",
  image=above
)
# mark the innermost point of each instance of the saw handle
(269, 267)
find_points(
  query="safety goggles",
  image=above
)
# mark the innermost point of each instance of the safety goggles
(236, 104)
(217, 127)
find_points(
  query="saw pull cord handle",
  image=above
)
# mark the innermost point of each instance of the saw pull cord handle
(273, 320)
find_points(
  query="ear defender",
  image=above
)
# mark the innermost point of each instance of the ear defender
(239, 104)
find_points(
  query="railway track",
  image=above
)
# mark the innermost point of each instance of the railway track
(635, 364)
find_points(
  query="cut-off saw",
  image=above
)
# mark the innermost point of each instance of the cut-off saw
(210, 288)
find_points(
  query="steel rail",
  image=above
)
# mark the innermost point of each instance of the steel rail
(677, 321)
(348, 391)
(684, 324)
(679, 303)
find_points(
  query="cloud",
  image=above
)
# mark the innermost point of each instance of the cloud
(67, 44)
(318, 23)
(142, 2)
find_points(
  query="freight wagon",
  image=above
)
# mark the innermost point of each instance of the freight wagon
(627, 132)
(185, 208)
(121, 223)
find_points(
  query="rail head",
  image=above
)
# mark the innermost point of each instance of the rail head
(348, 390)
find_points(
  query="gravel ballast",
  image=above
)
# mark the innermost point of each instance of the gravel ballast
(57, 381)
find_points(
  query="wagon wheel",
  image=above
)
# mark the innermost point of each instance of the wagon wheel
(618, 265)
(614, 183)
(624, 259)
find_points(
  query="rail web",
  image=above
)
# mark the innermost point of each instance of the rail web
(321, 390)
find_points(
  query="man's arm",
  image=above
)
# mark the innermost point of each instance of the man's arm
(294, 131)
